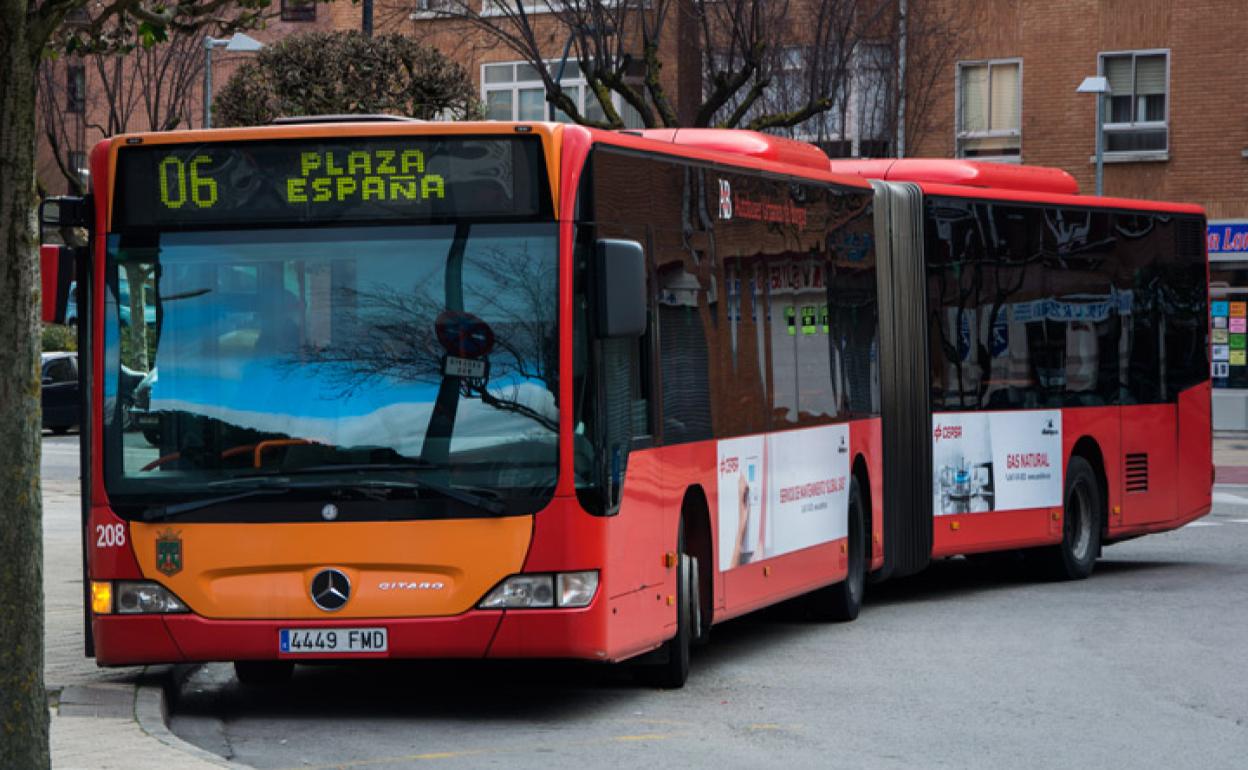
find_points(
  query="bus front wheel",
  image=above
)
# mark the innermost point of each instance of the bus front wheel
(668, 666)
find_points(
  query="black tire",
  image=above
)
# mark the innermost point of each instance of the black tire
(60, 430)
(263, 672)
(841, 602)
(1074, 557)
(668, 666)
(152, 436)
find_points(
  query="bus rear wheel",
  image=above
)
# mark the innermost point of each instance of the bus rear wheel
(668, 666)
(841, 602)
(263, 672)
(1074, 557)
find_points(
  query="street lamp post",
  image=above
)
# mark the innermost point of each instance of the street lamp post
(1099, 86)
(236, 43)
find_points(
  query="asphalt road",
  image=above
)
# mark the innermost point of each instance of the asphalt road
(970, 665)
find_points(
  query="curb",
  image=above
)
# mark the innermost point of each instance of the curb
(154, 694)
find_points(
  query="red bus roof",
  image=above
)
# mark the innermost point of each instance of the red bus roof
(998, 181)
(753, 144)
(1008, 176)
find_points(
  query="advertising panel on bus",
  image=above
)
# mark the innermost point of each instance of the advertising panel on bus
(996, 461)
(782, 493)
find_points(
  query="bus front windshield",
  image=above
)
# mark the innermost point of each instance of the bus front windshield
(425, 356)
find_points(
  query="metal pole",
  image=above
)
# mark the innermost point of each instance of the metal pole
(208, 44)
(901, 80)
(1100, 141)
(368, 18)
(563, 62)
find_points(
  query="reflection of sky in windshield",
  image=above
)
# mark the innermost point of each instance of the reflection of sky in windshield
(328, 334)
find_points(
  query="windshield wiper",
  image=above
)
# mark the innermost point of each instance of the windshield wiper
(166, 512)
(475, 497)
(278, 484)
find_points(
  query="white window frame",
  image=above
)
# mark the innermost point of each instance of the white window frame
(515, 86)
(959, 135)
(490, 7)
(1121, 156)
(857, 84)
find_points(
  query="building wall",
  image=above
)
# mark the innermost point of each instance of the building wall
(1059, 42)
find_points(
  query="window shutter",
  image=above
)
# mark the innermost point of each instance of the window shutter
(975, 98)
(1005, 98)
(1150, 75)
(1118, 72)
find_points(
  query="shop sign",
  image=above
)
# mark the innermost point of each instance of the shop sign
(1227, 237)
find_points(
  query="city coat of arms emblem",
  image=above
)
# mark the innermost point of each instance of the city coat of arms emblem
(169, 552)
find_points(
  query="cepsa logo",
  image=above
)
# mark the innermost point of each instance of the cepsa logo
(947, 432)
(729, 466)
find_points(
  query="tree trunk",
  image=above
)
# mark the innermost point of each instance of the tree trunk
(23, 703)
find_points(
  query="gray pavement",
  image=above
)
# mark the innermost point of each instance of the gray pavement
(970, 665)
(102, 719)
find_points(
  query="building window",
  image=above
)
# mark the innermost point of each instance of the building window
(989, 109)
(860, 120)
(430, 8)
(1135, 108)
(514, 91)
(75, 89)
(298, 10)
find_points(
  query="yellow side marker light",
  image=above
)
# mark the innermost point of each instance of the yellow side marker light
(101, 597)
(955, 526)
(767, 571)
(669, 559)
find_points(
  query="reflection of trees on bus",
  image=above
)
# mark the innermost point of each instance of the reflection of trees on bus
(390, 335)
(1033, 306)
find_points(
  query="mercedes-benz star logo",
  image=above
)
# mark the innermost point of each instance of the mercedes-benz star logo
(330, 590)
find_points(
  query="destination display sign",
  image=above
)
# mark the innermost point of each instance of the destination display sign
(361, 179)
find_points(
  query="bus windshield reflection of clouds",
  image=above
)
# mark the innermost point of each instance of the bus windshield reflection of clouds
(324, 340)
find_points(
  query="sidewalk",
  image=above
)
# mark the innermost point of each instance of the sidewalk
(102, 719)
(1230, 457)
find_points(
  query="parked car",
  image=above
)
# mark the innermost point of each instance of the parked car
(60, 391)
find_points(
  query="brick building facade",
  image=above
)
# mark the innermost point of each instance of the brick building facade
(1173, 130)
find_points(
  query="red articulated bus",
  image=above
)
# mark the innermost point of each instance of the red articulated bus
(500, 390)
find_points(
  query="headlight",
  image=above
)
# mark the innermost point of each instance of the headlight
(134, 598)
(521, 591)
(564, 589)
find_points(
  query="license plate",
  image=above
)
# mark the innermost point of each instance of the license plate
(319, 641)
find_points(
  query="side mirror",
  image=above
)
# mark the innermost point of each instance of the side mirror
(65, 219)
(56, 273)
(620, 288)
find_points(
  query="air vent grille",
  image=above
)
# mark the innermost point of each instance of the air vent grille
(1137, 472)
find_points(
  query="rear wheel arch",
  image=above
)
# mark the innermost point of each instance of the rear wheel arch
(861, 473)
(1087, 448)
